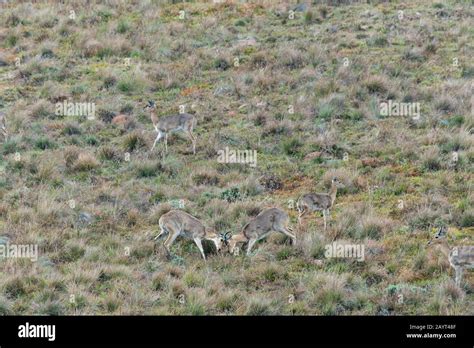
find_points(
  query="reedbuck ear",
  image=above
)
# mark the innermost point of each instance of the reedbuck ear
(441, 233)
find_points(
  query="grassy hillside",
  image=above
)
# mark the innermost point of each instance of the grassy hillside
(301, 88)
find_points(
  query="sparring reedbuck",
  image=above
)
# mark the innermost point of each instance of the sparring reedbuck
(311, 202)
(460, 257)
(272, 219)
(3, 125)
(179, 223)
(170, 124)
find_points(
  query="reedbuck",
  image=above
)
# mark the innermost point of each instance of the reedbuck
(179, 223)
(169, 124)
(272, 219)
(460, 258)
(312, 202)
(3, 125)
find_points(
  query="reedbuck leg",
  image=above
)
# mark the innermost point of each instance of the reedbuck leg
(158, 137)
(325, 213)
(287, 233)
(458, 276)
(162, 233)
(300, 215)
(199, 245)
(250, 246)
(193, 140)
(170, 240)
(166, 142)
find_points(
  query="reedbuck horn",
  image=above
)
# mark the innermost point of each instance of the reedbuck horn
(226, 236)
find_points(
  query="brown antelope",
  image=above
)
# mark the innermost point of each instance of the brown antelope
(169, 124)
(121, 120)
(460, 257)
(272, 219)
(311, 202)
(179, 223)
(3, 125)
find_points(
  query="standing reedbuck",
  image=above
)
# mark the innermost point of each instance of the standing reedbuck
(460, 258)
(311, 202)
(3, 125)
(179, 223)
(169, 124)
(272, 219)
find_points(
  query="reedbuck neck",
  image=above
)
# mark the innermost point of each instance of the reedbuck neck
(154, 117)
(443, 246)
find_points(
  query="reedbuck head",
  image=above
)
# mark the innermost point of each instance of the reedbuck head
(231, 245)
(224, 239)
(234, 242)
(219, 239)
(336, 182)
(150, 105)
(439, 236)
